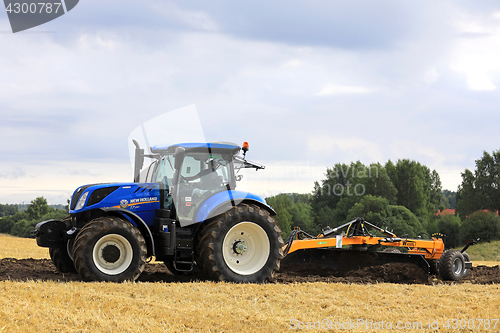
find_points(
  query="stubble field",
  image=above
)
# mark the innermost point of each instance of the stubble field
(53, 302)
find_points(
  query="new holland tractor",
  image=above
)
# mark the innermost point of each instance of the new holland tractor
(182, 209)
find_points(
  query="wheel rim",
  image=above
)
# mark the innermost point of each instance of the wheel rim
(112, 254)
(457, 266)
(246, 248)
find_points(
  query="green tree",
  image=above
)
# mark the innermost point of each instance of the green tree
(37, 208)
(403, 222)
(418, 188)
(8, 210)
(281, 205)
(20, 229)
(302, 217)
(295, 211)
(23, 222)
(372, 208)
(433, 186)
(449, 199)
(7, 222)
(450, 226)
(377, 210)
(379, 184)
(344, 186)
(480, 189)
(482, 224)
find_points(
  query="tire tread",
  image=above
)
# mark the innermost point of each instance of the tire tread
(99, 226)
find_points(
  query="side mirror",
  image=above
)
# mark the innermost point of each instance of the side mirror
(180, 152)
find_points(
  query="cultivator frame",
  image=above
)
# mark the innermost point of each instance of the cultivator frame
(358, 245)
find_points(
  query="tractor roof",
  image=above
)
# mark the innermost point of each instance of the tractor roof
(215, 147)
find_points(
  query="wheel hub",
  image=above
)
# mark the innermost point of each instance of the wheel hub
(111, 253)
(457, 266)
(239, 247)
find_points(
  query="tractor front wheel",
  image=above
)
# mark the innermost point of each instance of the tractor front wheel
(109, 249)
(241, 245)
(61, 258)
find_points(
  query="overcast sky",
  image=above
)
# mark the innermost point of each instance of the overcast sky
(307, 83)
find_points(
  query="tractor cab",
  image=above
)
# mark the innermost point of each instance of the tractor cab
(191, 173)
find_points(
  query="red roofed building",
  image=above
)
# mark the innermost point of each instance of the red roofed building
(447, 211)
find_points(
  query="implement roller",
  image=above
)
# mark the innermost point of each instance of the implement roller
(356, 247)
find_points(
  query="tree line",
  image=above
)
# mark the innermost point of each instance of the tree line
(405, 197)
(21, 222)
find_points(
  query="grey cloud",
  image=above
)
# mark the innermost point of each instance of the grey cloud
(344, 24)
(354, 24)
(14, 173)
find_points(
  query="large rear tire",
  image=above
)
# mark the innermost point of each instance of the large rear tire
(61, 258)
(243, 244)
(109, 249)
(452, 265)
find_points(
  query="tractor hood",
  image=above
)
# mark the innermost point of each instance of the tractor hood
(132, 196)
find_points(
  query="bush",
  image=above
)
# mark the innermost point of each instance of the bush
(399, 219)
(482, 224)
(281, 204)
(20, 229)
(403, 222)
(23, 222)
(373, 209)
(292, 210)
(450, 226)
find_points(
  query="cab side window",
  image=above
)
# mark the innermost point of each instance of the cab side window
(191, 167)
(164, 172)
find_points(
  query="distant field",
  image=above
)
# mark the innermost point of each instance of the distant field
(20, 248)
(485, 251)
(225, 307)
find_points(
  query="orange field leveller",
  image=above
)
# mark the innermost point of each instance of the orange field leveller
(357, 246)
(431, 249)
(358, 236)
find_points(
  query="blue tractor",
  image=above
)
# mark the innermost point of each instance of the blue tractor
(182, 209)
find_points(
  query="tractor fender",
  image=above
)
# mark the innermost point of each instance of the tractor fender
(135, 220)
(222, 201)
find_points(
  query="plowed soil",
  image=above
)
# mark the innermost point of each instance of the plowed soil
(44, 270)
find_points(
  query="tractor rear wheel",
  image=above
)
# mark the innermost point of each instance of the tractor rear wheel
(452, 265)
(109, 249)
(243, 244)
(61, 258)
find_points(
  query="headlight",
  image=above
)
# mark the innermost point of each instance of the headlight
(81, 202)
